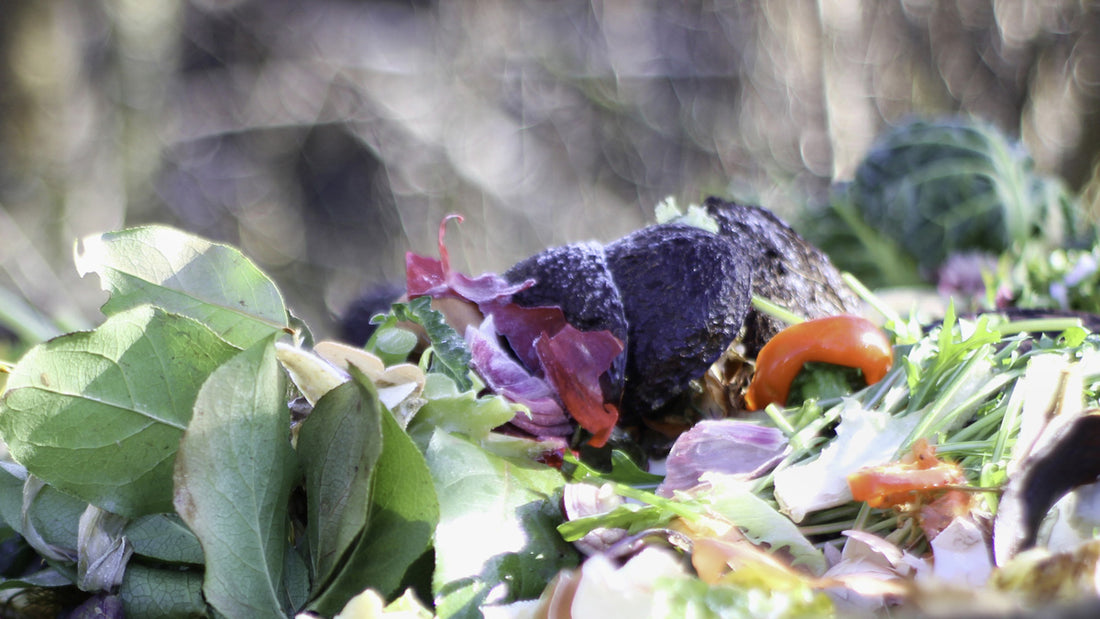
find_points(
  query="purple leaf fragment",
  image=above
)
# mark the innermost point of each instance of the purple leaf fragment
(564, 373)
(573, 362)
(509, 378)
(726, 446)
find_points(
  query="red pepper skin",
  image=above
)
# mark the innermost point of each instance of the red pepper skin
(845, 340)
(917, 477)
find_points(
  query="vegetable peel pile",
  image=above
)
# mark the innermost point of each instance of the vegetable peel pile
(491, 449)
(787, 511)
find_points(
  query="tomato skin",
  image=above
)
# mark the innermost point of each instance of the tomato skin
(845, 340)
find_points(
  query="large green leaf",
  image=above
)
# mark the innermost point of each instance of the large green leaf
(403, 515)
(339, 444)
(498, 520)
(99, 414)
(214, 284)
(164, 537)
(233, 476)
(154, 592)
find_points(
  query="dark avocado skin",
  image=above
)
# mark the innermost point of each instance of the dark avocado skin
(786, 269)
(685, 295)
(677, 296)
(682, 295)
(576, 278)
(559, 273)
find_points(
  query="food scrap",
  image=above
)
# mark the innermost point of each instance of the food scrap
(844, 340)
(917, 477)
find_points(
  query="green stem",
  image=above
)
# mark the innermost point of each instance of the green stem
(775, 413)
(680, 509)
(869, 297)
(978, 428)
(1037, 325)
(776, 311)
(1008, 427)
(827, 528)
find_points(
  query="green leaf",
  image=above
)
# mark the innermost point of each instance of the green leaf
(821, 381)
(391, 342)
(214, 284)
(339, 444)
(47, 577)
(646, 512)
(760, 522)
(164, 537)
(451, 357)
(99, 414)
(295, 579)
(403, 514)
(623, 470)
(233, 477)
(497, 525)
(630, 516)
(153, 592)
(51, 519)
(461, 411)
(12, 477)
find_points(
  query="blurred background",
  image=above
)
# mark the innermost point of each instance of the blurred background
(327, 138)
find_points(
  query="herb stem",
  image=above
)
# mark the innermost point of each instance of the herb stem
(680, 509)
(1038, 325)
(946, 396)
(775, 310)
(869, 297)
(775, 413)
(1009, 423)
(827, 528)
(979, 427)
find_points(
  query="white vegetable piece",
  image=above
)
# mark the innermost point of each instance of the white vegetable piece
(863, 438)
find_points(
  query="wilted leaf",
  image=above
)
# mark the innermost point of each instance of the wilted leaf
(233, 477)
(403, 514)
(339, 444)
(312, 375)
(214, 284)
(99, 414)
(727, 446)
(103, 551)
(863, 438)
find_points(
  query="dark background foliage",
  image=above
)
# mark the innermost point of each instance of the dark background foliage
(328, 137)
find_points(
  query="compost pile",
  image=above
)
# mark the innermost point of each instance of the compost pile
(706, 417)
